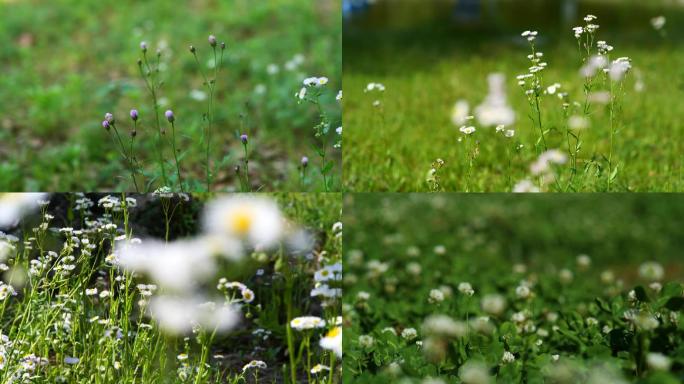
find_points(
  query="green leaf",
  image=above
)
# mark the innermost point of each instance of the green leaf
(641, 294)
(675, 304)
(327, 167)
(620, 339)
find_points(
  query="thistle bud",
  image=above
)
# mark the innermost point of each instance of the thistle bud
(169, 116)
(134, 114)
(143, 46)
(133, 133)
(212, 40)
(243, 138)
(105, 124)
(192, 49)
(305, 161)
(223, 45)
(109, 118)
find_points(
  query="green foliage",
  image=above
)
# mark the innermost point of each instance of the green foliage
(578, 319)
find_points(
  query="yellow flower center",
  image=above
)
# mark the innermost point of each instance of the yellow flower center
(241, 221)
(334, 332)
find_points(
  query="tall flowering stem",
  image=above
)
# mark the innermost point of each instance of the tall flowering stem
(244, 139)
(532, 84)
(312, 92)
(110, 123)
(150, 76)
(171, 118)
(211, 86)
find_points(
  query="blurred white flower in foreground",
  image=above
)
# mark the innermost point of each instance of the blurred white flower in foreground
(256, 220)
(180, 315)
(333, 341)
(494, 110)
(15, 205)
(177, 265)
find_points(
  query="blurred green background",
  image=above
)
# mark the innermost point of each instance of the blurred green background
(65, 63)
(543, 231)
(431, 53)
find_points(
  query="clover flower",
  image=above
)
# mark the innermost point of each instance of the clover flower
(409, 334)
(474, 372)
(466, 289)
(366, 341)
(493, 304)
(657, 361)
(651, 271)
(658, 22)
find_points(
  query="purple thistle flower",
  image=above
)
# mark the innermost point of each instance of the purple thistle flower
(169, 116)
(109, 118)
(243, 138)
(212, 40)
(134, 114)
(143, 46)
(105, 124)
(305, 161)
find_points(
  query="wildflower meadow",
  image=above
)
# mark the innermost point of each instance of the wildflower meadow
(170, 288)
(197, 96)
(513, 96)
(477, 289)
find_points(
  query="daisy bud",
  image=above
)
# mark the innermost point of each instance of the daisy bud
(212, 40)
(169, 116)
(105, 124)
(143, 46)
(134, 114)
(109, 118)
(243, 138)
(305, 161)
(192, 49)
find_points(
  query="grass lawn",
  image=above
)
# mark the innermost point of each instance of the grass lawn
(65, 63)
(427, 61)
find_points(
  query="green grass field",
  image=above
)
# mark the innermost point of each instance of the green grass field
(427, 61)
(65, 63)
(560, 289)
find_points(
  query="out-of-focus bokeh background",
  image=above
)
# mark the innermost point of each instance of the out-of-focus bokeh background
(618, 231)
(65, 63)
(407, 256)
(429, 54)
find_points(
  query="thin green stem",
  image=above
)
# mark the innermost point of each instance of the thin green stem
(175, 154)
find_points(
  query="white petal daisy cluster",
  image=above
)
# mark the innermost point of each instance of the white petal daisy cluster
(303, 323)
(254, 364)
